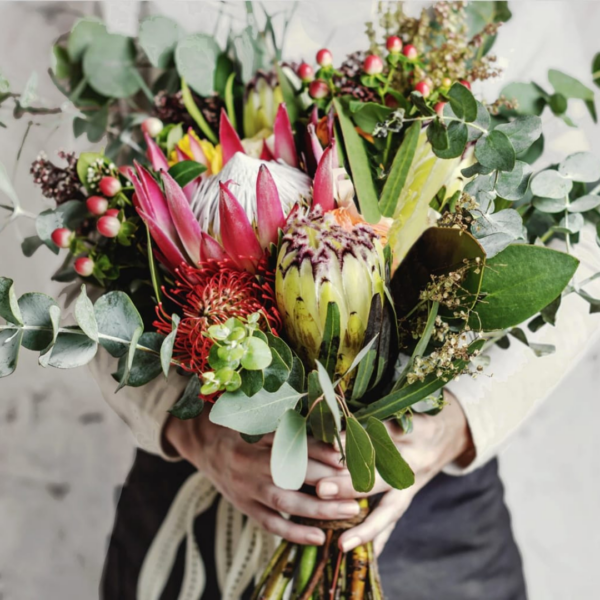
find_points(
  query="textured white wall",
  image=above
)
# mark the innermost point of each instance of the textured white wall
(63, 452)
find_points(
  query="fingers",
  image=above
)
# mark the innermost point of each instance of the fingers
(277, 525)
(391, 507)
(304, 505)
(381, 540)
(324, 453)
(341, 487)
(317, 470)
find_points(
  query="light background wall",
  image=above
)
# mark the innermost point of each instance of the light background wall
(63, 453)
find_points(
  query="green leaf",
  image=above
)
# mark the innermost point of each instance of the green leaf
(522, 131)
(84, 315)
(196, 59)
(258, 355)
(331, 339)
(497, 230)
(9, 307)
(585, 203)
(558, 104)
(84, 32)
(70, 214)
(252, 382)
(518, 283)
(495, 151)
(360, 456)
(571, 223)
(550, 205)
(296, 376)
(399, 171)
(84, 162)
(190, 405)
(320, 419)
(550, 184)
(420, 103)
(359, 165)
(367, 115)
(391, 466)
(94, 126)
(289, 455)
(34, 309)
(10, 342)
(158, 37)
(361, 355)
(364, 374)
(61, 65)
(277, 373)
(596, 69)
(109, 66)
(480, 125)
(129, 357)
(282, 349)
(71, 350)
(117, 317)
(329, 394)
(44, 358)
(30, 244)
(458, 135)
(581, 166)
(186, 171)
(463, 102)
(146, 365)
(257, 416)
(437, 135)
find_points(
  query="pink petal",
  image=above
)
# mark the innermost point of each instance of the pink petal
(314, 116)
(170, 254)
(210, 249)
(265, 153)
(315, 144)
(191, 188)
(152, 200)
(323, 182)
(230, 140)
(155, 155)
(237, 235)
(285, 147)
(197, 152)
(269, 213)
(186, 224)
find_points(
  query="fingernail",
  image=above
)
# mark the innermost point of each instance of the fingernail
(351, 544)
(328, 489)
(316, 539)
(349, 509)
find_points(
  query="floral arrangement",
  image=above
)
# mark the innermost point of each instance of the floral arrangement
(318, 248)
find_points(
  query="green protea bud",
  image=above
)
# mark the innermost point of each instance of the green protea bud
(321, 261)
(263, 97)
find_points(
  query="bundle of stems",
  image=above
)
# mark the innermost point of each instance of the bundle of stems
(322, 573)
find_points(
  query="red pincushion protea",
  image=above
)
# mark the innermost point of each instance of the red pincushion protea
(209, 296)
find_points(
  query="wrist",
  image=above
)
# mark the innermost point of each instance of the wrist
(463, 448)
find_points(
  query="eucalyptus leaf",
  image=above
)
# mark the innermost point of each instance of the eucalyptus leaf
(146, 365)
(569, 86)
(480, 125)
(9, 306)
(572, 222)
(289, 454)
(69, 214)
(321, 420)
(585, 203)
(10, 343)
(437, 135)
(458, 135)
(581, 166)
(84, 32)
(550, 184)
(196, 59)
(158, 37)
(528, 97)
(522, 131)
(391, 466)
(257, 416)
(117, 317)
(463, 102)
(512, 185)
(190, 405)
(54, 312)
(84, 315)
(550, 205)
(34, 309)
(496, 151)
(7, 187)
(276, 373)
(166, 349)
(497, 230)
(72, 350)
(258, 355)
(360, 456)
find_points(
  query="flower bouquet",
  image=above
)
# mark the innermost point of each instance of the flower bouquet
(318, 249)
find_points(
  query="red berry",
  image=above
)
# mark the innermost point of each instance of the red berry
(84, 266)
(62, 237)
(306, 72)
(465, 83)
(108, 226)
(112, 212)
(423, 88)
(393, 44)
(439, 108)
(410, 52)
(110, 186)
(324, 58)
(97, 205)
(152, 126)
(373, 65)
(318, 89)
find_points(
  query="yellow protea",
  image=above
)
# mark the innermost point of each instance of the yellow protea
(212, 153)
(260, 106)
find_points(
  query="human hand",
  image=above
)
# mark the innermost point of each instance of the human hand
(241, 472)
(435, 442)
